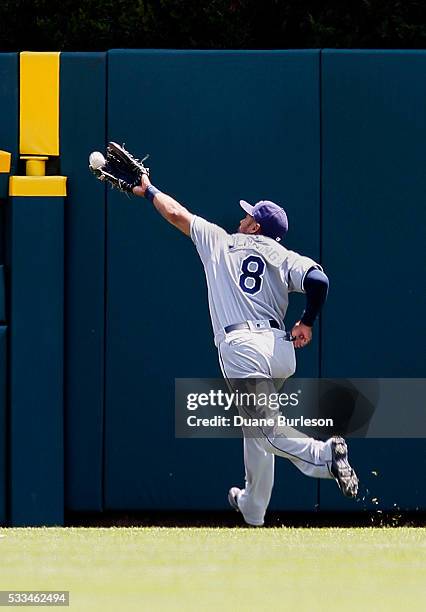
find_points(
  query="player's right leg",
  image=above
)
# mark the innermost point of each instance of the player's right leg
(313, 457)
(264, 355)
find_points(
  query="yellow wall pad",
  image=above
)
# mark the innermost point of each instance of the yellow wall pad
(39, 103)
(5, 161)
(35, 165)
(38, 186)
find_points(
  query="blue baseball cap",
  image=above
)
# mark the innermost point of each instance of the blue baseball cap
(271, 218)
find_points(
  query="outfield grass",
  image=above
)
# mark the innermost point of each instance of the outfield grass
(220, 569)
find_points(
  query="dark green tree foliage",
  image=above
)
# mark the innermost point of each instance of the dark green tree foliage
(209, 24)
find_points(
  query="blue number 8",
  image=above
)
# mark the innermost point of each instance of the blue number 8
(252, 269)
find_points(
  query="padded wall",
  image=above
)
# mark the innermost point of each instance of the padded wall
(9, 106)
(336, 137)
(3, 425)
(3, 387)
(82, 130)
(8, 142)
(221, 126)
(36, 234)
(374, 185)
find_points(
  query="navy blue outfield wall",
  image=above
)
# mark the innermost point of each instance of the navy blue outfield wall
(3, 390)
(373, 211)
(9, 91)
(9, 108)
(373, 220)
(3, 424)
(36, 235)
(84, 276)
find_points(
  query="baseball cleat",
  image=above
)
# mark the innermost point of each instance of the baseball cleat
(345, 476)
(233, 494)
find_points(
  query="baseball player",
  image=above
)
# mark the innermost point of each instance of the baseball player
(249, 276)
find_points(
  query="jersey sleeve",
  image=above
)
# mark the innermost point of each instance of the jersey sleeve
(297, 268)
(206, 236)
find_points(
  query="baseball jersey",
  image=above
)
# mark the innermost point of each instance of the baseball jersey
(248, 277)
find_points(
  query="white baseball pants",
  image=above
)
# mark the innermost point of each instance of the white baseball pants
(268, 355)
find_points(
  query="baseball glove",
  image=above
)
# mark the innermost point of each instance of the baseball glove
(119, 167)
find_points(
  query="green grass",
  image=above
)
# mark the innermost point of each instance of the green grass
(220, 569)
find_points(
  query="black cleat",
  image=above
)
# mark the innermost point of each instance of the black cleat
(345, 476)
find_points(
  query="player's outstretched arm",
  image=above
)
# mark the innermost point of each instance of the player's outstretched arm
(169, 208)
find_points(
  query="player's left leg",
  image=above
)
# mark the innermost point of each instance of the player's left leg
(253, 500)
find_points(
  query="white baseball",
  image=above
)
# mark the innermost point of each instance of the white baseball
(96, 160)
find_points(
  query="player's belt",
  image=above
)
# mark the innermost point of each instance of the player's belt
(252, 325)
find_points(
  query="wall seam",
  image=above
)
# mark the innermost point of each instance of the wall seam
(105, 339)
(320, 330)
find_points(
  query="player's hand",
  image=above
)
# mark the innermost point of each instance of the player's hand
(140, 190)
(302, 335)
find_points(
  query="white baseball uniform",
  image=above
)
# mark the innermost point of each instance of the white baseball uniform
(248, 280)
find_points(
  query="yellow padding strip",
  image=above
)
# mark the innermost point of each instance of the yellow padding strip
(38, 186)
(5, 162)
(39, 98)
